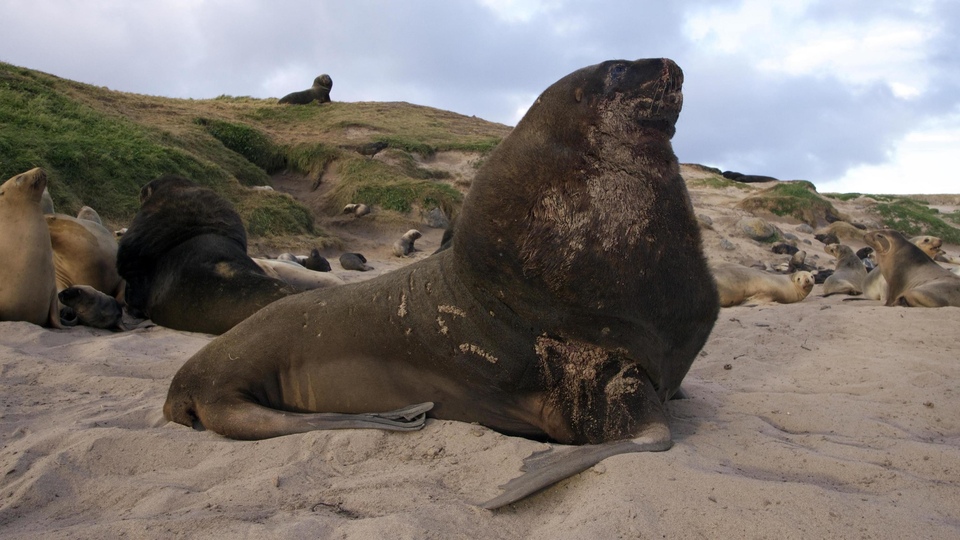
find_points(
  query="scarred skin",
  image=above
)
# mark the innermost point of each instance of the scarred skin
(913, 278)
(570, 307)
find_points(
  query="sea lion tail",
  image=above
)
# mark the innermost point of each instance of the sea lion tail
(545, 468)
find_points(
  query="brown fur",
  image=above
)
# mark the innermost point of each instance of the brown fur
(913, 278)
(737, 284)
(849, 275)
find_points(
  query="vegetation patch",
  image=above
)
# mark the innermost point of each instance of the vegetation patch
(249, 142)
(843, 196)
(718, 182)
(798, 199)
(914, 218)
(310, 159)
(267, 213)
(375, 183)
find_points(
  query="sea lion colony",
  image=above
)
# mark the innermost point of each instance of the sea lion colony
(540, 266)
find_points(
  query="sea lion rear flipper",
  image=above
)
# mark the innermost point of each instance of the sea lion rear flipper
(545, 468)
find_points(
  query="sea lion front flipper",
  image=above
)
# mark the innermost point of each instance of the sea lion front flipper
(545, 468)
(246, 420)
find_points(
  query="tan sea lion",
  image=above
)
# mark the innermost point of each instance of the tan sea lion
(84, 253)
(929, 244)
(913, 278)
(571, 305)
(185, 263)
(404, 246)
(319, 92)
(842, 230)
(296, 275)
(28, 286)
(737, 284)
(850, 272)
(875, 285)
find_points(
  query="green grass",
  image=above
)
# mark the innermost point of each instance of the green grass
(913, 217)
(842, 196)
(100, 146)
(798, 199)
(719, 182)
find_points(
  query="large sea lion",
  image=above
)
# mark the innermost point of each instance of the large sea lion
(913, 278)
(570, 307)
(319, 92)
(850, 272)
(84, 253)
(28, 287)
(737, 284)
(184, 258)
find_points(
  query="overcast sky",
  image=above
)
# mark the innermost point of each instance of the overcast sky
(854, 95)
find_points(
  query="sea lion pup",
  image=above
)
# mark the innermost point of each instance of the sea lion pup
(354, 261)
(358, 210)
(184, 258)
(737, 284)
(913, 278)
(84, 253)
(849, 274)
(569, 308)
(317, 262)
(28, 286)
(93, 307)
(296, 275)
(89, 214)
(404, 246)
(319, 92)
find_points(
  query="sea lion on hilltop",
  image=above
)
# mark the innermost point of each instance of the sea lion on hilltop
(357, 209)
(93, 307)
(28, 286)
(319, 92)
(84, 253)
(184, 258)
(737, 284)
(570, 307)
(913, 278)
(850, 272)
(404, 246)
(354, 261)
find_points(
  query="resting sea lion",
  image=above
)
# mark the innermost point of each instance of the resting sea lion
(289, 257)
(913, 278)
(296, 275)
(875, 285)
(185, 260)
(737, 284)
(319, 92)
(84, 253)
(840, 230)
(93, 307)
(354, 261)
(357, 209)
(570, 307)
(404, 246)
(928, 244)
(28, 286)
(317, 262)
(849, 275)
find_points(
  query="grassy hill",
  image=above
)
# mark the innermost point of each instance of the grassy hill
(99, 146)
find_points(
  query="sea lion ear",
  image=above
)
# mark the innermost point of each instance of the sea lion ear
(578, 94)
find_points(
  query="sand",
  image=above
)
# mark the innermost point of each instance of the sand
(828, 418)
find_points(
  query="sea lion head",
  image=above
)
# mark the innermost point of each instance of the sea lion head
(929, 244)
(323, 81)
(804, 281)
(26, 186)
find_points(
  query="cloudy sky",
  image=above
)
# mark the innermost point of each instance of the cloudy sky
(854, 95)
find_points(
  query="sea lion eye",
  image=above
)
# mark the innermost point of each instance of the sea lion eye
(617, 71)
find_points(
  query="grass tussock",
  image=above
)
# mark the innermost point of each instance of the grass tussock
(797, 199)
(913, 217)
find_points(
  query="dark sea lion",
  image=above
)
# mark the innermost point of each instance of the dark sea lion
(404, 246)
(28, 286)
(850, 272)
(570, 307)
(93, 307)
(317, 262)
(184, 258)
(737, 284)
(372, 149)
(913, 278)
(354, 261)
(84, 253)
(319, 92)
(784, 249)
